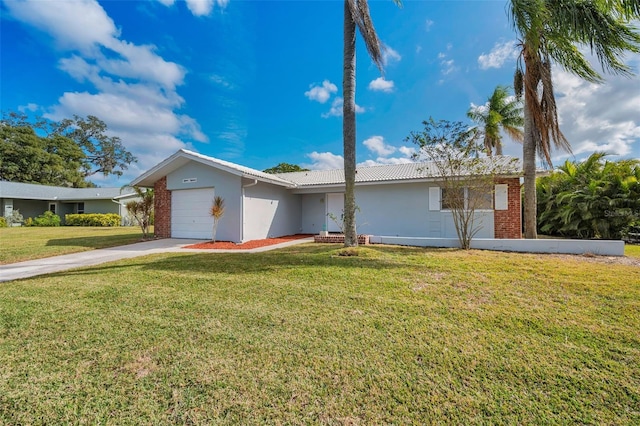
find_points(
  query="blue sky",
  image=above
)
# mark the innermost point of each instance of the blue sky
(259, 82)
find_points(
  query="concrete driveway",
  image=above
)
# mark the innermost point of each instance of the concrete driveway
(48, 265)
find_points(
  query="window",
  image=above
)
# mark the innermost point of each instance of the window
(80, 208)
(452, 198)
(52, 208)
(478, 198)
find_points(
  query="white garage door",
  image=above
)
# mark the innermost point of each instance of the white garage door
(190, 216)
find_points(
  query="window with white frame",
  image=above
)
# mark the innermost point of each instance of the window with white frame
(478, 198)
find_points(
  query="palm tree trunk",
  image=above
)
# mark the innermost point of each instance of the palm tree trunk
(498, 147)
(529, 155)
(349, 127)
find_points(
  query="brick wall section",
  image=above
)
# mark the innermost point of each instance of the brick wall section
(162, 208)
(508, 223)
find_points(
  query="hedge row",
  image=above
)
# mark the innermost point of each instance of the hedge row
(108, 219)
(45, 219)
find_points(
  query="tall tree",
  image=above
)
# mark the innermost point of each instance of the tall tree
(356, 15)
(285, 168)
(501, 113)
(552, 31)
(104, 154)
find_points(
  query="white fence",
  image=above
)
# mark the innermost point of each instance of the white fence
(597, 247)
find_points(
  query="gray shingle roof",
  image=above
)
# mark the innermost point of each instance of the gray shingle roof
(31, 191)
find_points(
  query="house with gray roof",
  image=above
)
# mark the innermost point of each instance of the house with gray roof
(394, 200)
(32, 200)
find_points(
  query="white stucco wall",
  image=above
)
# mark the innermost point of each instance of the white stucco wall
(270, 211)
(394, 210)
(226, 185)
(313, 213)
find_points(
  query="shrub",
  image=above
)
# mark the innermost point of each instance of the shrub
(14, 218)
(94, 219)
(3, 222)
(45, 219)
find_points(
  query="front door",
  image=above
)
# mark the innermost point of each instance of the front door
(335, 209)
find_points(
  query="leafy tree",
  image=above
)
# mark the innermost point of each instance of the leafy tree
(552, 31)
(285, 168)
(104, 154)
(27, 157)
(592, 199)
(64, 153)
(466, 178)
(356, 15)
(142, 209)
(501, 113)
(216, 211)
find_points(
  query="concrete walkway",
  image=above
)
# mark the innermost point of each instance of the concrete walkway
(48, 265)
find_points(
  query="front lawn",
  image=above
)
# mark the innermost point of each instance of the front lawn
(303, 336)
(27, 243)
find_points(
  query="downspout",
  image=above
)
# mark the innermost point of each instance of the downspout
(254, 183)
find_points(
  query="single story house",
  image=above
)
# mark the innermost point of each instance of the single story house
(32, 200)
(393, 200)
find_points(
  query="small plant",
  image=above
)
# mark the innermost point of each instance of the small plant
(3, 222)
(142, 210)
(14, 219)
(216, 211)
(339, 221)
(47, 218)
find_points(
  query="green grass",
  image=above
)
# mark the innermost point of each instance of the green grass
(304, 336)
(27, 243)
(632, 250)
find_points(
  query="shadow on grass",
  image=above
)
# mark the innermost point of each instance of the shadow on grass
(98, 241)
(307, 255)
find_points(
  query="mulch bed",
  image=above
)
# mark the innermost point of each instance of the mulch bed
(227, 245)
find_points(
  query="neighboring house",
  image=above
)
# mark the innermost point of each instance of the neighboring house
(32, 200)
(393, 200)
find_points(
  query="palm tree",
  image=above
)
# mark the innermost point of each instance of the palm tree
(216, 211)
(501, 113)
(356, 14)
(551, 31)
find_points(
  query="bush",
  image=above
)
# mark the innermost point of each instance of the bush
(45, 219)
(3, 222)
(14, 218)
(107, 219)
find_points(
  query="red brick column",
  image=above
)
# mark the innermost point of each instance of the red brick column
(162, 209)
(508, 223)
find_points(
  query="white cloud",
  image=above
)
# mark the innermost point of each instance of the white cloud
(407, 151)
(501, 53)
(381, 85)
(428, 24)
(336, 108)
(377, 145)
(448, 67)
(130, 87)
(389, 55)
(599, 117)
(321, 93)
(61, 20)
(29, 107)
(324, 161)
(199, 7)
(418, 48)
